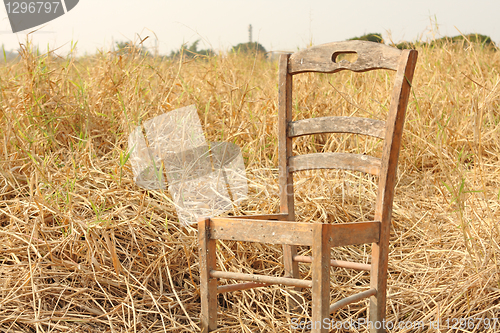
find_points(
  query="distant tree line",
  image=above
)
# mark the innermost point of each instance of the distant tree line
(376, 37)
(254, 48)
(482, 40)
(191, 51)
(131, 48)
(249, 48)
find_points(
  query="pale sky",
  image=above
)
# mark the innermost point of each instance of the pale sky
(279, 25)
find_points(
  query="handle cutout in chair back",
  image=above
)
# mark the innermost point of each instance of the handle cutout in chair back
(345, 56)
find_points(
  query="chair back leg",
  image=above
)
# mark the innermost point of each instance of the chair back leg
(379, 282)
(294, 302)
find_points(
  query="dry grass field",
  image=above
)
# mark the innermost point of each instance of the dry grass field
(83, 249)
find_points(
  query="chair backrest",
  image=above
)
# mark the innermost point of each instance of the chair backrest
(324, 59)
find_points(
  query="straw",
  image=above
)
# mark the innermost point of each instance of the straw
(83, 248)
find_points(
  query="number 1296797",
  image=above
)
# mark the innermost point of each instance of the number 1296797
(471, 323)
(23, 7)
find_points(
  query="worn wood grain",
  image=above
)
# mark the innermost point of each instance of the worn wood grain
(274, 232)
(321, 58)
(354, 125)
(342, 161)
(344, 234)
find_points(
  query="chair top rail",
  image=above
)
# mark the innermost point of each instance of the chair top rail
(353, 125)
(323, 58)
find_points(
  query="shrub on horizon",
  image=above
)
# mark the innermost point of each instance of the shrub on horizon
(249, 48)
(372, 37)
(191, 51)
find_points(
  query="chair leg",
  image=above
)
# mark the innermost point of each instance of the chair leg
(379, 282)
(320, 280)
(294, 302)
(208, 285)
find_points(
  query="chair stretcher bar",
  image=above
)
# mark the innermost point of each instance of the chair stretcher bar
(352, 299)
(240, 286)
(336, 263)
(261, 278)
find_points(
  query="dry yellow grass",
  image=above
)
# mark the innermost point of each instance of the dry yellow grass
(82, 248)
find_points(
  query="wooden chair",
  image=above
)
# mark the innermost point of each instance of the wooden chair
(281, 228)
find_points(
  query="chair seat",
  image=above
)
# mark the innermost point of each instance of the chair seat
(292, 233)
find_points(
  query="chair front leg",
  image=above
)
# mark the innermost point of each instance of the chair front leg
(320, 279)
(208, 287)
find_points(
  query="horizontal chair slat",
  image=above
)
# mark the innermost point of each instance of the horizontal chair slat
(354, 125)
(261, 279)
(343, 161)
(337, 263)
(345, 234)
(351, 299)
(273, 232)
